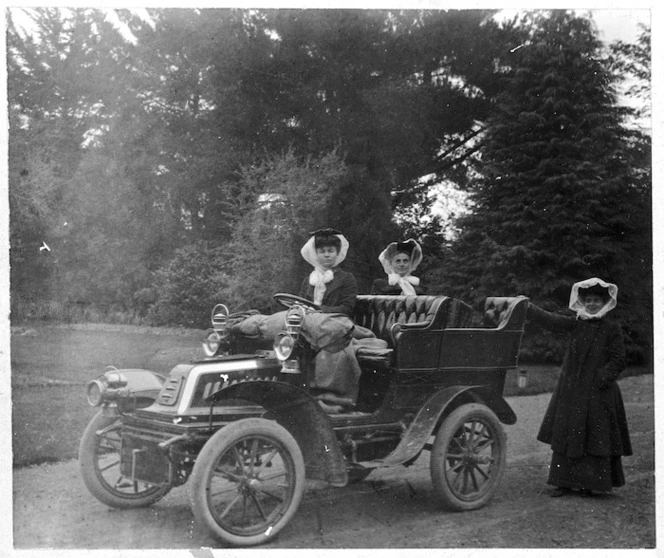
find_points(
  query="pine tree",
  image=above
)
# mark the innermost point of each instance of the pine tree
(557, 201)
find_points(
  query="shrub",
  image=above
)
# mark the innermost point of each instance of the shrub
(279, 201)
(188, 286)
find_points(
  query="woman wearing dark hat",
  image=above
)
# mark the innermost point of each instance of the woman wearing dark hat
(330, 287)
(585, 422)
(337, 375)
(399, 260)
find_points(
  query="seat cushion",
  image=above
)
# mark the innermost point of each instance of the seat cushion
(373, 353)
(379, 313)
(504, 312)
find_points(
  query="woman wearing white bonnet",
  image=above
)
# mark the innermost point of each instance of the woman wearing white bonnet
(399, 260)
(336, 375)
(579, 295)
(585, 423)
(328, 286)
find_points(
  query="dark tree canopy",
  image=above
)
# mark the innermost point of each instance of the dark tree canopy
(156, 130)
(140, 145)
(557, 200)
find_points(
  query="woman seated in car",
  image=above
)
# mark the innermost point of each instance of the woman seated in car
(330, 287)
(333, 290)
(399, 260)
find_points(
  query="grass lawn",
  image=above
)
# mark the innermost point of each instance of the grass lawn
(50, 365)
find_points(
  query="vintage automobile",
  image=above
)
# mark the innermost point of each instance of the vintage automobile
(242, 427)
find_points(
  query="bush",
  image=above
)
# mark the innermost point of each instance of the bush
(188, 286)
(25, 309)
(280, 199)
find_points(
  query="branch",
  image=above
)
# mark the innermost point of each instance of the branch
(441, 168)
(461, 142)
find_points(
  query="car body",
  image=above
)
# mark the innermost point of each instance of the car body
(241, 426)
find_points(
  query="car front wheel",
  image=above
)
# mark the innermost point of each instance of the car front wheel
(247, 482)
(468, 457)
(99, 460)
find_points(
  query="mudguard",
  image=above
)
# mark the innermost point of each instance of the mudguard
(299, 413)
(427, 418)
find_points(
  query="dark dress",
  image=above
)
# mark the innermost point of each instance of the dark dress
(337, 375)
(340, 294)
(382, 287)
(585, 422)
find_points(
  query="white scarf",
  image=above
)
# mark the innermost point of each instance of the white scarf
(406, 283)
(319, 277)
(393, 278)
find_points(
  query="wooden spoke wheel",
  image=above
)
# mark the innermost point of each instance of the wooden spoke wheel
(468, 457)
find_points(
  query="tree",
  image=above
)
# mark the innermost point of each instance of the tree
(557, 200)
(63, 92)
(631, 65)
(277, 203)
(188, 286)
(160, 125)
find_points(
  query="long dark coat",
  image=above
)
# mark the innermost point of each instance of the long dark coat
(340, 294)
(586, 414)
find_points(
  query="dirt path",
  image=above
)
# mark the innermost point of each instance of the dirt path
(392, 508)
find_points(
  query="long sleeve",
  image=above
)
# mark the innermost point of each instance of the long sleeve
(549, 320)
(304, 288)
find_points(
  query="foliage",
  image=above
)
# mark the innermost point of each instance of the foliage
(159, 125)
(63, 92)
(361, 209)
(189, 286)
(133, 139)
(26, 309)
(278, 202)
(631, 64)
(557, 200)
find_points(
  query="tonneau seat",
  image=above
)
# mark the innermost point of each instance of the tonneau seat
(505, 313)
(388, 317)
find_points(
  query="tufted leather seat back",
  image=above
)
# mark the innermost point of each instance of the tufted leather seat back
(501, 312)
(380, 312)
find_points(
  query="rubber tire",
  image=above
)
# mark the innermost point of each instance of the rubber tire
(444, 437)
(215, 448)
(92, 478)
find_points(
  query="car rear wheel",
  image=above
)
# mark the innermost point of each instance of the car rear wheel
(468, 457)
(99, 459)
(248, 481)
